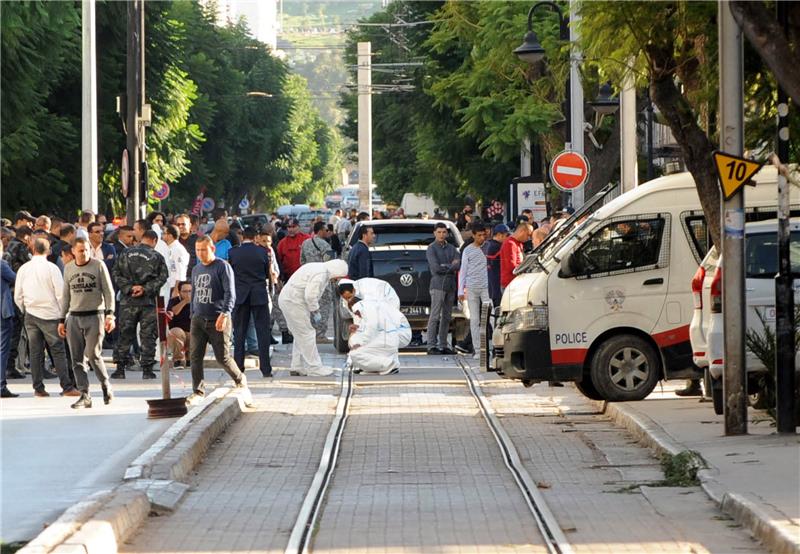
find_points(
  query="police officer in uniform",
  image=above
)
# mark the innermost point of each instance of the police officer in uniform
(139, 273)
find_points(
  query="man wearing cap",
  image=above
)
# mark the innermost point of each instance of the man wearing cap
(491, 249)
(512, 249)
(24, 218)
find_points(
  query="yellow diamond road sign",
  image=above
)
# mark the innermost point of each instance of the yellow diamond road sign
(733, 172)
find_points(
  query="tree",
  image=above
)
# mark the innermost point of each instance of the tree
(40, 115)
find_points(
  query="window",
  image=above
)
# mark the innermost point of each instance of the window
(761, 255)
(406, 235)
(621, 246)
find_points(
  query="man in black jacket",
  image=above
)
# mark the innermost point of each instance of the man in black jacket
(251, 265)
(359, 263)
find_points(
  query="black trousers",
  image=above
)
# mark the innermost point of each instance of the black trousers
(241, 321)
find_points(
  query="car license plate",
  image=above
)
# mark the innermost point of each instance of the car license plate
(415, 310)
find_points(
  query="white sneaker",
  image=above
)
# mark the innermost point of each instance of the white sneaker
(323, 371)
(390, 371)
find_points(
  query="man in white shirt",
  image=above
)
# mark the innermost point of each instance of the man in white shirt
(39, 294)
(178, 260)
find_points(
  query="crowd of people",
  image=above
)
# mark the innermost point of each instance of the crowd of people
(69, 288)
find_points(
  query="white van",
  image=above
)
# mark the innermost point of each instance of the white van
(607, 302)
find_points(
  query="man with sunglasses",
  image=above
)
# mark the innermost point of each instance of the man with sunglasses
(101, 250)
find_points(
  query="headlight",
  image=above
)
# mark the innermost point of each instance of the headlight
(528, 318)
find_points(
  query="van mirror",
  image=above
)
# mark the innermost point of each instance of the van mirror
(568, 268)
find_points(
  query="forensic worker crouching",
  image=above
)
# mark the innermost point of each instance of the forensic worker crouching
(299, 302)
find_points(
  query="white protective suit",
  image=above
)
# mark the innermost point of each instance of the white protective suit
(382, 331)
(299, 298)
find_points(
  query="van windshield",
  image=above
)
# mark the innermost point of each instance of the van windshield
(560, 234)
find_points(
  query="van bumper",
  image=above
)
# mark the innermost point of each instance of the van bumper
(526, 355)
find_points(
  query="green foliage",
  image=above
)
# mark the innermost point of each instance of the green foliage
(206, 129)
(40, 136)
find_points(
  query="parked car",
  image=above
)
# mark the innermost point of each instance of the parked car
(255, 220)
(706, 329)
(399, 257)
(623, 266)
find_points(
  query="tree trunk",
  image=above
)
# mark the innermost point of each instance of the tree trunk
(768, 38)
(695, 145)
(604, 163)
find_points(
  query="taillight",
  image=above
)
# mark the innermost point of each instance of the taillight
(697, 287)
(716, 292)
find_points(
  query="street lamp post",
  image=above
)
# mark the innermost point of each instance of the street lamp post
(531, 51)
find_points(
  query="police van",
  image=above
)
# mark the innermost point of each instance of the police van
(605, 301)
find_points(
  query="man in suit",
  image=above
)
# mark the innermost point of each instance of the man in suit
(251, 266)
(101, 250)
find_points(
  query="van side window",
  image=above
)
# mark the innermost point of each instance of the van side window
(622, 246)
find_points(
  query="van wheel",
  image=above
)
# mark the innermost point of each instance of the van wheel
(625, 367)
(587, 388)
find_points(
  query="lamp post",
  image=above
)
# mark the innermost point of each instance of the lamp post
(531, 51)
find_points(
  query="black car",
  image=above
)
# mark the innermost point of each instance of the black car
(399, 257)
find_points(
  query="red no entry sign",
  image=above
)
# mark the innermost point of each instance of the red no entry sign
(569, 170)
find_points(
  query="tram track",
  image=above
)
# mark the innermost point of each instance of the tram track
(303, 532)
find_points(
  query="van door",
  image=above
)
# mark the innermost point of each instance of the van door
(617, 277)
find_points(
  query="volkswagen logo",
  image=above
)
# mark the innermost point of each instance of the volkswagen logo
(406, 279)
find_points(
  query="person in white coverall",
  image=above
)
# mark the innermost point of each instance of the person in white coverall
(299, 298)
(381, 331)
(369, 288)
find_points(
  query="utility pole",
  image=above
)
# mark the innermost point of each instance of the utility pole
(89, 198)
(134, 99)
(576, 96)
(784, 293)
(627, 121)
(365, 126)
(731, 79)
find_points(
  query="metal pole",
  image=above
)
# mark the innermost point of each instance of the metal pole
(651, 173)
(132, 110)
(525, 158)
(576, 96)
(365, 126)
(89, 198)
(627, 122)
(140, 125)
(784, 293)
(733, 302)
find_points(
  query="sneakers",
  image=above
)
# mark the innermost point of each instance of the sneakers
(108, 395)
(147, 374)
(195, 398)
(433, 350)
(461, 349)
(177, 364)
(118, 374)
(392, 371)
(446, 351)
(85, 401)
(323, 371)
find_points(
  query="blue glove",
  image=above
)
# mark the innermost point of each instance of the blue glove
(316, 317)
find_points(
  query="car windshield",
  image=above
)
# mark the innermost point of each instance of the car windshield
(389, 235)
(761, 255)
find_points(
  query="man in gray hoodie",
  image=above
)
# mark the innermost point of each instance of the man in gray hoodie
(88, 314)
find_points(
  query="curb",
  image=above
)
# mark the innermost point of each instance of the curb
(754, 516)
(104, 520)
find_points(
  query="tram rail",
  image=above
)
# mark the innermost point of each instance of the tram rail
(302, 535)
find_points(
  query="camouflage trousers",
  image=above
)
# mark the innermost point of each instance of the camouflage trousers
(129, 317)
(325, 305)
(276, 316)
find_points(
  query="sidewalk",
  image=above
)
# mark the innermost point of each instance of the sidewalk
(755, 478)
